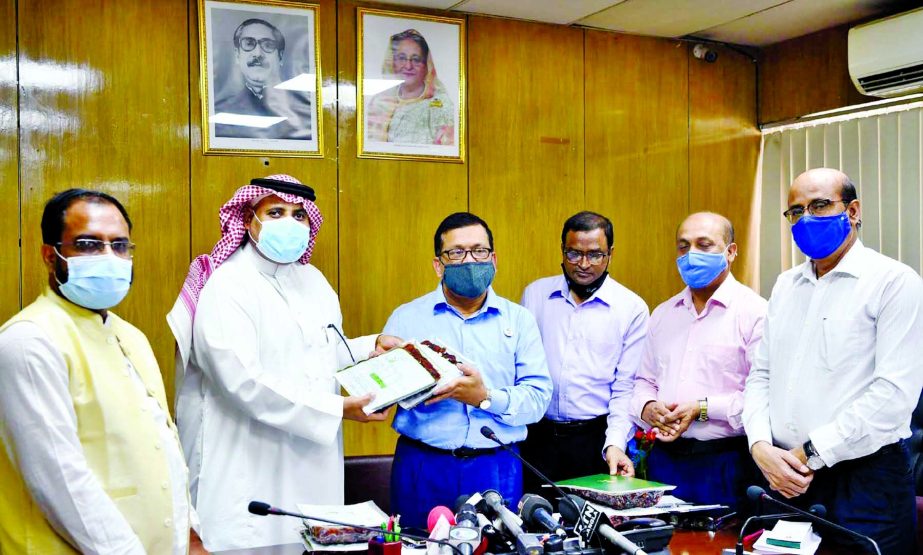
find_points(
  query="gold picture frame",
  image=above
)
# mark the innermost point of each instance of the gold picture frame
(425, 54)
(260, 79)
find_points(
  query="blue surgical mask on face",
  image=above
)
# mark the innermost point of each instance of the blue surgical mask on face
(698, 269)
(819, 236)
(284, 240)
(470, 279)
(96, 282)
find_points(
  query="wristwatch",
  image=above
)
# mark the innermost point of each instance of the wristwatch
(703, 410)
(485, 404)
(814, 460)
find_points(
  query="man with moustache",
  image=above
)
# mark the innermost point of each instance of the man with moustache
(90, 460)
(441, 453)
(593, 329)
(259, 48)
(690, 384)
(839, 371)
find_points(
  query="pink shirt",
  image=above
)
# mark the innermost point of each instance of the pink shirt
(690, 356)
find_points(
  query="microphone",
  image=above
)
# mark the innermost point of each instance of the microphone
(493, 532)
(489, 434)
(263, 509)
(816, 509)
(466, 534)
(536, 511)
(756, 493)
(587, 522)
(507, 517)
(435, 513)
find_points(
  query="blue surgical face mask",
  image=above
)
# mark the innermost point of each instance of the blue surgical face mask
(698, 269)
(284, 240)
(470, 279)
(819, 236)
(96, 282)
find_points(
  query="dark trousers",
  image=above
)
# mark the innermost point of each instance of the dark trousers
(423, 477)
(564, 450)
(705, 472)
(872, 495)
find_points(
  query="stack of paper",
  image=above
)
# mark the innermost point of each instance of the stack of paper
(788, 537)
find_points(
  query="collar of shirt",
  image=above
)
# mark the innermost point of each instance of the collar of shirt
(258, 94)
(262, 264)
(605, 294)
(441, 304)
(852, 264)
(724, 295)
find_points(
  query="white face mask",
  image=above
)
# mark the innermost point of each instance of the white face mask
(284, 240)
(96, 282)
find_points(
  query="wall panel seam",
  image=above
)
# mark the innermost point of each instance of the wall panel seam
(19, 190)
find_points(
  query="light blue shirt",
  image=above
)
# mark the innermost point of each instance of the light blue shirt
(503, 342)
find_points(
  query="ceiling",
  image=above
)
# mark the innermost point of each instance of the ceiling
(745, 22)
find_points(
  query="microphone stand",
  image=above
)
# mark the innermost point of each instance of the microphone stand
(739, 548)
(263, 509)
(754, 492)
(489, 434)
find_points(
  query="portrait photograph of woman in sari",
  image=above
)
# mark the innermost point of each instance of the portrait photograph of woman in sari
(411, 94)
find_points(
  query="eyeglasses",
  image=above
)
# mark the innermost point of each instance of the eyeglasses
(402, 59)
(85, 247)
(477, 253)
(816, 206)
(593, 257)
(268, 46)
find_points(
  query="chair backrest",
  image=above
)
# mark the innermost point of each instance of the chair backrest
(369, 477)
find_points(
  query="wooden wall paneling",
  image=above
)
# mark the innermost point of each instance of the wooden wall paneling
(103, 110)
(526, 171)
(724, 149)
(389, 210)
(805, 75)
(637, 154)
(10, 252)
(214, 178)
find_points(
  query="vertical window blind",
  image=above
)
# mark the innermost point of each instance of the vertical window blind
(880, 149)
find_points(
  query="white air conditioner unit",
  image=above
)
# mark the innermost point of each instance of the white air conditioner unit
(886, 56)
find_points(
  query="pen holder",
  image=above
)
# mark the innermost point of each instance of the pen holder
(379, 547)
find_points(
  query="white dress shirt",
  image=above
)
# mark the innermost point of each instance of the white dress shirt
(841, 361)
(259, 411)
(38, 425)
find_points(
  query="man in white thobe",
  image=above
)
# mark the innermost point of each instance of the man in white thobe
(258, 407)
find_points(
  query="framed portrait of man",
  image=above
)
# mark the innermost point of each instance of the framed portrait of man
(260, 78)
(410, 86)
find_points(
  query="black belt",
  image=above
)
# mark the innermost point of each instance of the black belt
(572, 427)
(685, 446)
(458, 452)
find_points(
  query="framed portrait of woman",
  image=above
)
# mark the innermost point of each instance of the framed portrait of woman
(410, 86)
(260, 78)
